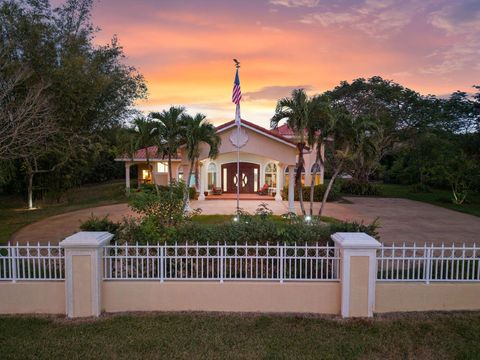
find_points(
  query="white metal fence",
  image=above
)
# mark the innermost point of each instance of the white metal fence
(31, 262)
(221, 262)
(428, 263)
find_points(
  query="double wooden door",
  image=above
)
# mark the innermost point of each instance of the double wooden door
(249, 177)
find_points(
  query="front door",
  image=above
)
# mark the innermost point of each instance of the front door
(249, 177)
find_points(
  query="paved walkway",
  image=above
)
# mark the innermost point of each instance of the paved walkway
(401, 220)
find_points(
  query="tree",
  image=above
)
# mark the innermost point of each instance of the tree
(168, 129)
(197, 131)
(25, 113)
(144, 139)
(89, 89)
(347, 138)
(35, 159)
(298, 111)
(382, 102)
(318, 129)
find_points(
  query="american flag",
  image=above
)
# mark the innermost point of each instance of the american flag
(237, 93)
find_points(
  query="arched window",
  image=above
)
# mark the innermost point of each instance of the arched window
(294, 171)
(212, 175)
(271, 175)
(316, 169)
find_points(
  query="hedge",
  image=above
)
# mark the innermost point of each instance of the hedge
(318, 192)
(354, 187)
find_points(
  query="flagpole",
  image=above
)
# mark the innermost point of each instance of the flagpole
(236, 98)
(238, 158)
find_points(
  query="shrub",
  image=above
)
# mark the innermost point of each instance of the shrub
(249, 229)
(192, 192)
(354, 187)
(318, 192)
(354, 226)
(94, 223)
(166, 207)
(263, 211)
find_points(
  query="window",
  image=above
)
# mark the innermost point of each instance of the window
(316, 168)
(225, 179)
(294, 172)
(162, 167)
(192, 181)
(212, 175)
(271, 174)
(146, 175)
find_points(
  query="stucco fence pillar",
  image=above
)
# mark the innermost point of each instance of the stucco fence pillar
(83, 272)
(358, 273)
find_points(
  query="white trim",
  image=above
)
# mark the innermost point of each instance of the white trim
(259, 132)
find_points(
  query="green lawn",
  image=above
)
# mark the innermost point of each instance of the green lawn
(14, 215)
(436, 197)
(215, 336)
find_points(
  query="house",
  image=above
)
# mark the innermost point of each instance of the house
(266, 157)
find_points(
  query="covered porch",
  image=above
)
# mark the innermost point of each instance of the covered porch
(267, 163)
(247, 196)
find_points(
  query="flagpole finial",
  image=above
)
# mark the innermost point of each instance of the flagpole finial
(237, 63)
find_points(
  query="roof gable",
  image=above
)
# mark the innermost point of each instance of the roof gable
(257, 128)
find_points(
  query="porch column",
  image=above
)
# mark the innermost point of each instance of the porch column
(291, 189)
(201, 182)
(186, 169)
(278, 191)
(322, 168)
(127, 177)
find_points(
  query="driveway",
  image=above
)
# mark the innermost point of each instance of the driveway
(401, 220)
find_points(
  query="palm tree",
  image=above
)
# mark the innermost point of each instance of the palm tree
(168, 129)
(317, 133)
(143, 139)
(347, 139)
(298, 111)
(196, 130)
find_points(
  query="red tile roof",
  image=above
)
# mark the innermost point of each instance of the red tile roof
(141, 154)
(282, 133)
(284, 130)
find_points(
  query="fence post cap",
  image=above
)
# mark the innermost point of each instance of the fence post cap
(87, 239)
(355, 240)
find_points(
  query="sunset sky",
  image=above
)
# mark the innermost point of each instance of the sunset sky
(185, 48)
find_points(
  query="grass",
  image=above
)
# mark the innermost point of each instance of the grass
(436, 197)
(227, 336)
(14, 215)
